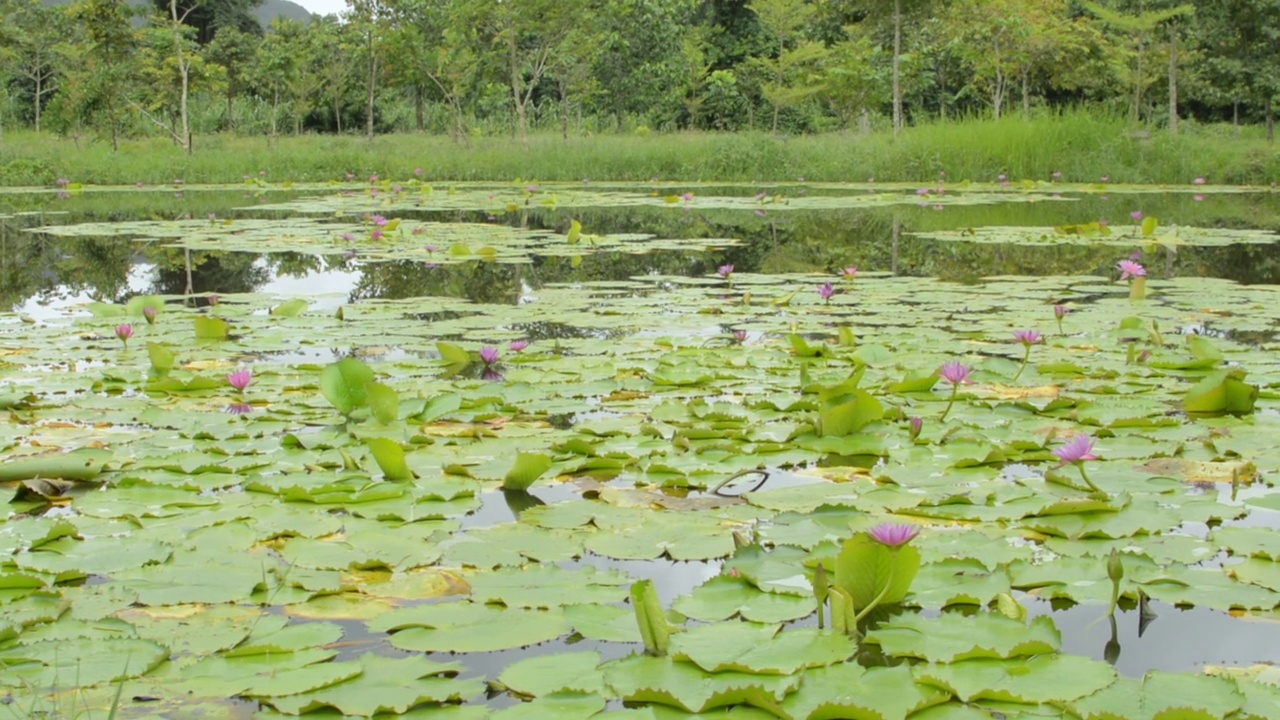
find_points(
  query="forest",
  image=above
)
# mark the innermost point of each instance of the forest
(105, 69)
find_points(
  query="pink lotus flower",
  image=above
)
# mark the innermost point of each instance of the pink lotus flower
(1059, 312)
(417, 171)
(1056, 175)
(922, 191)
(240, 379)
(893, 535)
(214, 299)
(955, 372)
(825, 291)
(850, 272)
(1136, 214)
(687, 197)
(740, 336)
(124, 332)
(1078, 449)
(518, 345)
(1027, 337)
(378, 220)
(149, 313)
(489, 355)
(1197, 198)
(376, 235)
(1129, 268)
(760, 197)
(429, 248)
(1198, 181)
(725, 271)
(915, 424)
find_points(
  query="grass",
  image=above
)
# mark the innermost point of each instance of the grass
(1080, 145)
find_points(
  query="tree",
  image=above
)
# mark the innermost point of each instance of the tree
(368, 20)
(643, 60)
(793, 71)
(278, 62)
(210, 16)
(899, 8)
(33, 47)
(103, 77)
(528, 34)
(1138, 27)
(234, 51)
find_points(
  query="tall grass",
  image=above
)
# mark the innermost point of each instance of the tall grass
(1082, 146)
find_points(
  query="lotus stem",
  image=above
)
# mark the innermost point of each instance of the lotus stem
(1026, 355)
(955, 388)
(888, 583)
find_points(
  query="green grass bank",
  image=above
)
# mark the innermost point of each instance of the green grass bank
(1081, 146)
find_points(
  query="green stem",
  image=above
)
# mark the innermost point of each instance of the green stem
(1084, 476)
(888, 583)
(1026, 355)
(954, 389)
(1115, 598)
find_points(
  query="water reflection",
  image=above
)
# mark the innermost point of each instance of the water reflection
(40, 267)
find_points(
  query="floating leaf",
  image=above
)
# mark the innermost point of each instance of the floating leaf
(528, 467)
(211, 328)
(344, 384)
(390, 458)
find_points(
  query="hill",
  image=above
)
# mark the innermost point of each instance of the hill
(265, 13)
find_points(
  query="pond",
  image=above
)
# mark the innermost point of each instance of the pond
(468, 450)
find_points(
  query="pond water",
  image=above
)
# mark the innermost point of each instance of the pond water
(331, 537)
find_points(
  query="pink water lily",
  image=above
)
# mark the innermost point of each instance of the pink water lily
(240, 379)
(518, 345)
(1078, 449)
(1027, 337)
(825, 291)
(124, 332)
(894, 535)
(489, 355)
(1136, 214)
(916, 424)
(1198, 181)
(740, 336)
(955, 372)
(1129, 268)
(850, 272)
(725, 271)
(149, 314)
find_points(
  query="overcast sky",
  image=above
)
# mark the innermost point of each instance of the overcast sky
(323, 7)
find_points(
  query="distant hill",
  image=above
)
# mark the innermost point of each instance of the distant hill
(266, 12)
(271, 9)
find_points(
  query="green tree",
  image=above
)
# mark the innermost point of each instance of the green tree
(527, 35)
(277, 63)
(105, 63)
(210, 16)
(234, 51)
(1139, 28)
(793, 71)
(367, 20)
(33, 49)
(650, 56)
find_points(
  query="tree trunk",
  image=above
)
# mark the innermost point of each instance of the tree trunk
(1235, 117)
(1026, 92)
(897, 71)
(275, 109)
(39, 83)
(1173, 78)
(1137, 87)
(184, 69)
(419, 108)
(1271, 122)
(373, 78)
(522, 128)
(231, 118)
(337, 114)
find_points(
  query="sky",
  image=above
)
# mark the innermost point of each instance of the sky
(323, 7)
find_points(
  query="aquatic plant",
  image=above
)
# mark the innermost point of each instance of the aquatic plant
(1027, 338)
(124, 332)
(240, 379)
(956, 374)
